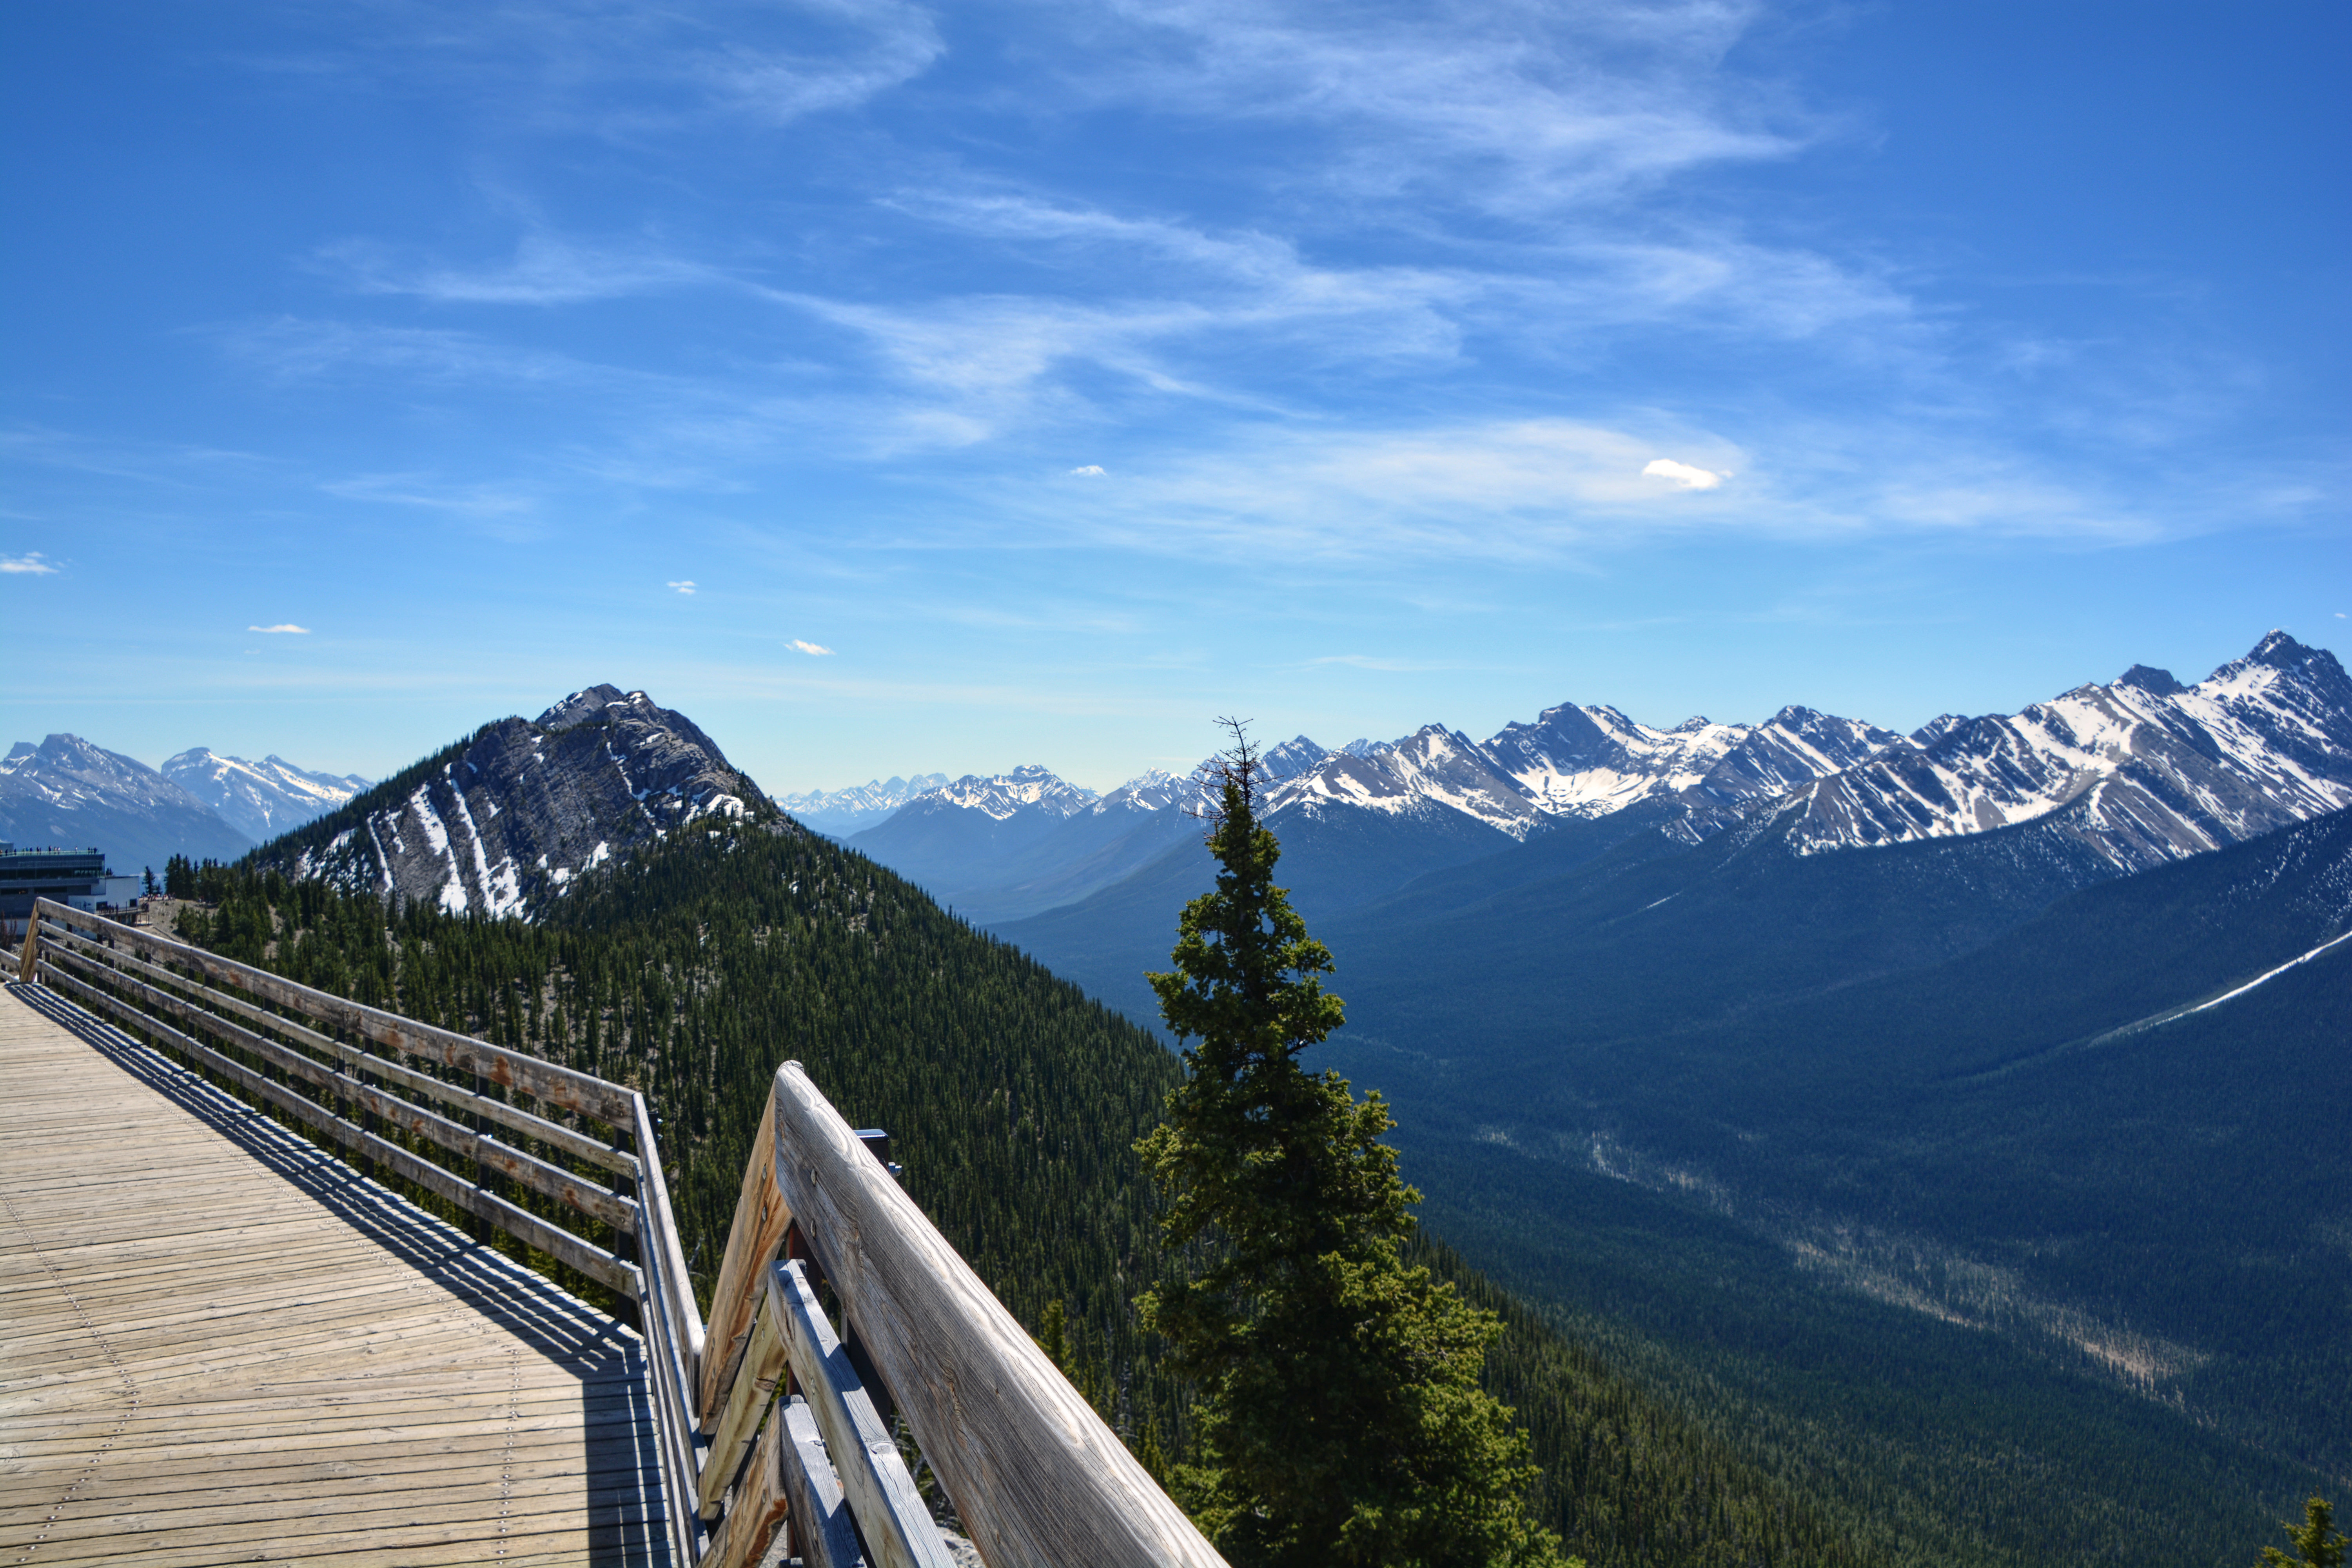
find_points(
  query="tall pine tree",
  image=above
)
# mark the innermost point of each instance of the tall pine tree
(1340, 1419)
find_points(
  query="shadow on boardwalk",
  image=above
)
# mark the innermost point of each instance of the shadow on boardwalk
(606, 1358)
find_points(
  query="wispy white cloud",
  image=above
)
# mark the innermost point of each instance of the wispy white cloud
(890, 44)
(545, 269)
(625, 71)
(298, 348)
(1091, 470)
(33, 564)
(1383, 666)
(1560, 489)
(475, 500)
(685, 587)
(1514, 110)
(814, 650)
(1683, 474)
(284, 628)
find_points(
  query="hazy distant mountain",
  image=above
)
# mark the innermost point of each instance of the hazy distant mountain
(68, 792)
(1010, 845)
(263, 799)
(842, 812)
(499, 823)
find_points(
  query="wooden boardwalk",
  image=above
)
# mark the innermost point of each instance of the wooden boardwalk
(218, 1344)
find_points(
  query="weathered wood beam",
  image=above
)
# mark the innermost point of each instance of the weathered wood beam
(747, 1401)
(898, 1529)
(760, 1221)
(822, 1535)
(1036, 1476)
(673, 1327)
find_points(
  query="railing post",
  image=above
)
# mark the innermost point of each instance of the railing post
(28, 962)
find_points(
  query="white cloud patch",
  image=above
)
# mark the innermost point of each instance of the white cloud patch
(1683, 474)
(284, 628)
(546, 269)
(685, 587)
(814, 650)
(34, 564)
(1091, 470)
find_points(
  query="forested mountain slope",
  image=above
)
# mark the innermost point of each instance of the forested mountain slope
(700, 963)
(2010, 1206)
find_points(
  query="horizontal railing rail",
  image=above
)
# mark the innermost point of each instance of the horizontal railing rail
(270, 1037)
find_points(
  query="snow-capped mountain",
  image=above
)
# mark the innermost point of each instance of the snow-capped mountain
(999, 796)
(263, 799)
(1433, 768)
(68, 792)
(2147, 770)
(1153, 790)
(497, 823)
(1584, 762)
(1295, 756)
(843, 810)
(2144, 770)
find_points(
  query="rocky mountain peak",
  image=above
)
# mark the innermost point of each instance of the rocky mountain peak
(2139, 773)
(2149, 679)
(1292, 758)
(588, 705)
(2281, 651)
(504, 821)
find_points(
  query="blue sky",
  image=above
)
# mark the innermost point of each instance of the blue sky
(896, 388)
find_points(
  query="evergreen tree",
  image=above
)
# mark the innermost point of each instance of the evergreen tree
(1340, 1418)
(2318, 1545)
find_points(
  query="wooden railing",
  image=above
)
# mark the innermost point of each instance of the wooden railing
(1035, 1475)
(765, 1419)
(304, 1053)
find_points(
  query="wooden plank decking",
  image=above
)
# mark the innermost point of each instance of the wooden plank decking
(218, 1344)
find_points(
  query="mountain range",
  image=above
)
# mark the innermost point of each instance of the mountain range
(2136, 773)
(68, 792)
(836, 813)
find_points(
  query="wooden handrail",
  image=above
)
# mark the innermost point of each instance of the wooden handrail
(553, 1180)
(1036, 1475)
(546, 1081)
(465, 1099)
(83, 955)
